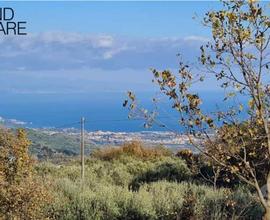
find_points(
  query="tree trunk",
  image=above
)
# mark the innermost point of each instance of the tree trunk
(267, 200)
(267, 214)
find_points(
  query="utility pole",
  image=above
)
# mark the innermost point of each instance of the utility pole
(82, 151)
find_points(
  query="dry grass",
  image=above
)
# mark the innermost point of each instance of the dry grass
(134, 148)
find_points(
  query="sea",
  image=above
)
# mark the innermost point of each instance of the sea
(101, 110)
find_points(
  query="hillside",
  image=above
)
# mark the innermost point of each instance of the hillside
(66, 142)
(46, 144)
(133, 182)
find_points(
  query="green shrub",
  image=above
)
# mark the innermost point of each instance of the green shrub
(167, 198)
(171, 169)
(162, 193)
(242, 203)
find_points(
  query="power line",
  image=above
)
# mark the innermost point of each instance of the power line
(104, 120)
(113, 120)
(67, 125)
(123, 120)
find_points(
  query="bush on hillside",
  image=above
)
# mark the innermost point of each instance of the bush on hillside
(134, 148)
(160, 200)
(162, 192)
(132, 172)
(169, 169)
(22, 194)
(205, 172)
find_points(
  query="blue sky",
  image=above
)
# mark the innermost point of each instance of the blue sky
(82, 47)
(140, 19)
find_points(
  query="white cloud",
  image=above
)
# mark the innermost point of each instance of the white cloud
(197, 38)
(104, 41)
(67, 51)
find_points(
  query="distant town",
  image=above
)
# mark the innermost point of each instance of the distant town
(102, 138)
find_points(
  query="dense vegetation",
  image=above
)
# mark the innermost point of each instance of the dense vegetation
(126, 184)
(22, 194)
